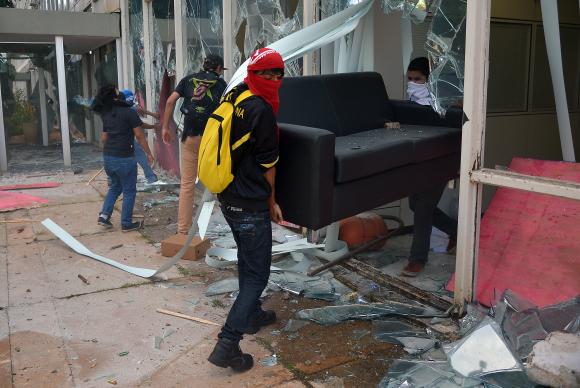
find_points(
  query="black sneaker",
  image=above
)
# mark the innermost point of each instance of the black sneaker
(104, 222)
(227, 353)
(133, 226)
(264, 318)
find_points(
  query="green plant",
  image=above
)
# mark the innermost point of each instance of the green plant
(24, 112)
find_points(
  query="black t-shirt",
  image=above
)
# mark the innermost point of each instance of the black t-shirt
(201, 94)
(118, 123)
(250, 190)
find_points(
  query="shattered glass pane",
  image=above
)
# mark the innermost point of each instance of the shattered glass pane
(417, 10)
(330, 315)
(163, 45)
(136, 38)
(293, 325)
(471, 320)
(261, 22)
(204, 32)
(481, 352)
(446, 51)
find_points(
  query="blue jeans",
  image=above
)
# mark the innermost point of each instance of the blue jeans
(253, 234)
(141, 158)
(122, 174)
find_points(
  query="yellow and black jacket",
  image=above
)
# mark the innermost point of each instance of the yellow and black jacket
(254, 141)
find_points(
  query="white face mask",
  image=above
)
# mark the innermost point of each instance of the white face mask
(418, 93)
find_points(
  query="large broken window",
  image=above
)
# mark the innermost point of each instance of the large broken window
(138, 51)
(445, 45)
(204, 32)
(261, 22)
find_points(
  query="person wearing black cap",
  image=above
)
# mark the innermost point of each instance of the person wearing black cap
(201, 93)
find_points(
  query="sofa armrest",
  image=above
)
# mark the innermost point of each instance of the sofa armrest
(408, 112)
(305, 175)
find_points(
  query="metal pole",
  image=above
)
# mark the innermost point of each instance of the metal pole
(3, 150)
(553, 47)
(86, 94)
(148, 55)
(126, 46)
(472, 145)
(42, 97)
(62, 100)
(228, 22)
(308, 18)
(180, 40)
(119, 53)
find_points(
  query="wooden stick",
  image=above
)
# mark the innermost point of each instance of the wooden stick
(179, 315)
(17, 221)
(96, 175)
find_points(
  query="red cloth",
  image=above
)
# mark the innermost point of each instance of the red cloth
(265, 59)
(529, 242)
(167, 154)
(11, 201)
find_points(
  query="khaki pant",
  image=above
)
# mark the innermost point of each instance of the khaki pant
(189, 152)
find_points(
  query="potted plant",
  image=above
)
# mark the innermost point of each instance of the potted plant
(22, 122)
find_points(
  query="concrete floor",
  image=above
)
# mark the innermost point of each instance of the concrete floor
(57, 331)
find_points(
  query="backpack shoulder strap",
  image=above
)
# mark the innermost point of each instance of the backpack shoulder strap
(243, 96)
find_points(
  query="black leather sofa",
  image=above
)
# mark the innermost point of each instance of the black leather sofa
(336, 157)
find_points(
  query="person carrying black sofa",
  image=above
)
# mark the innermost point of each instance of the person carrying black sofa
(426, 214)
(249, 204)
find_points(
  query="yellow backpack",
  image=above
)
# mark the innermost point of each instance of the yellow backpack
(214, 166)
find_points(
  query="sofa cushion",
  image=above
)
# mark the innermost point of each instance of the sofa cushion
(432, 142)
(304, 101)
(360, 101)
(370, 152)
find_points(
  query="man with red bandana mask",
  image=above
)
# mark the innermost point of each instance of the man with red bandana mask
(249, 204)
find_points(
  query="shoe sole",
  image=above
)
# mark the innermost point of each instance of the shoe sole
(409, 274)
(130, 230)
(105, 225)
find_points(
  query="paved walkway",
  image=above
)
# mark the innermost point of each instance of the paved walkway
(58, 331)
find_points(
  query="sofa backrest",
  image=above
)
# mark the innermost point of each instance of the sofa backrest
(341, 103)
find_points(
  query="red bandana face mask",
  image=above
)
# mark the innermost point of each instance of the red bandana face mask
(265, 59)
(265, 88)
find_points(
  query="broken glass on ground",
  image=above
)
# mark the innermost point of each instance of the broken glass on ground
(293, 325)
(269, 361)
(331, 315)
(425, 374)
(388, 330)
(483, 351)
(223, 287)
(561, 316)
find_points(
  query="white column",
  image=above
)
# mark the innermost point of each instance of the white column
(553, 47)
(309, 11)
(126, 46)
(120, 64)
(148, 54)
(472, 144)
(180, 39)
(42, 97)
(86, 94)
(3, 150)
(62, 100)
(228, 23)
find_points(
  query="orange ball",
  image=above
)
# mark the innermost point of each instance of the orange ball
(362, 228)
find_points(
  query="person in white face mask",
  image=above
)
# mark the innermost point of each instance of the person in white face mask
(417, 75)
(424, 204)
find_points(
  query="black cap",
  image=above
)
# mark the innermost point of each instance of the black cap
(212, 61)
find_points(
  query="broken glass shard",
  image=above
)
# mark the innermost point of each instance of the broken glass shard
(269, 361)
(425, 374)
(293, 325)
(483, 351)
(330, 315)
(559, 316)
(223, 287)
(414, 9)
(387, 330)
